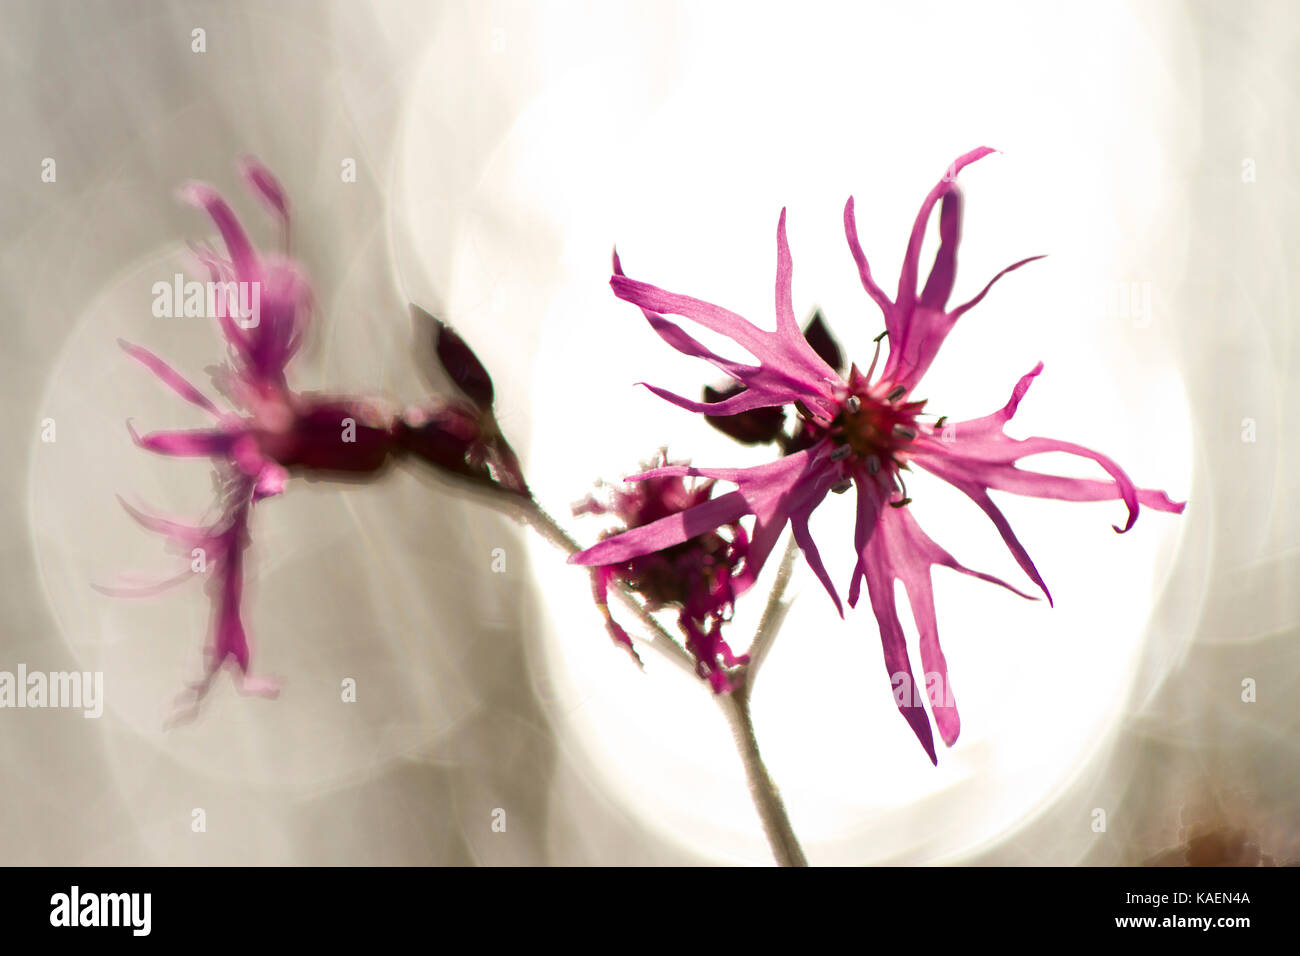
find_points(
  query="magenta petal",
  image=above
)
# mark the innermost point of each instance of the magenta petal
(766, 388)
(687, 344)
(979, 453)
(182, 533)
(745, 401)
(600, 577)
(1005, 476)
(977, 493)
(664, 533)
(864, 270)
(918, 325)
(787, 326)
(232, 233)
(802, 537)
(773, 493)
(944, 271)
(880, 576)
(793, 371)
(963, 309)
(911, 259)
(169, 376)
(266, 186)
(870, 503)
(185, 444)
(910, 554)
(218, 272)
(935, 680)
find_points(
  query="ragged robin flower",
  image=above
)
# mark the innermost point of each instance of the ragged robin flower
(274, 432)
(867, 431)
(693, 576)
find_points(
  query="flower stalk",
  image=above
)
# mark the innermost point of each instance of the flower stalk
(762, 788)
(734, 704)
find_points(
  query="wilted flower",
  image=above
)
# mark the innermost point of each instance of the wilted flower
(692, 576)
(276, 433)
(866, 432)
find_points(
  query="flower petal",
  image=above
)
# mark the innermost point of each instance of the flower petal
(880, 575)
(782, 370)
(961, 310)
(864, 270)
(185, 534)
(600, 577)
(199, 443)
(979, 494)
(232, 233)
(773, 493)
(979, 453)
(911, 260)
(944, 271)
(169, 376)
(266, 186)
(666, 532)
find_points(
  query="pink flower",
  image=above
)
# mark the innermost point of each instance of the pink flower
(693, 576)
(866, 430)
(276, 432)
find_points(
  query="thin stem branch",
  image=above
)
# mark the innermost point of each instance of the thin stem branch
(661, 640)
(735, 705)
(773, 614)
(762, 789)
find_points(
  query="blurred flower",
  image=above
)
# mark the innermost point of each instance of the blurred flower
(277, 431)
(866, 432)
(693, 576)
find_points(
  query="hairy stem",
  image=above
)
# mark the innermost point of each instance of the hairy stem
(735, 705)
(773, 614)
(661, 640)
(762, 789)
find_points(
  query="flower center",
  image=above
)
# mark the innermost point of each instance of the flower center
(875, 428)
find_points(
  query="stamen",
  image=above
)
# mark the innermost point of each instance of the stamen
(902, 490)
(901, 503)
(880, 336)
(902, 431)
(897, 392)
(942, 419)
(843, 486)
(875, 356)
(873, 465)
(840, 453)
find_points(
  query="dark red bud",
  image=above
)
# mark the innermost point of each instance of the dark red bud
(457, 359)
(818, 334)
(754, 427)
